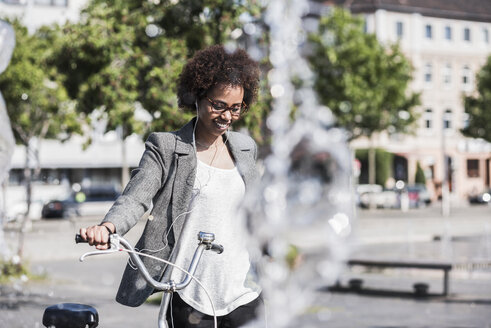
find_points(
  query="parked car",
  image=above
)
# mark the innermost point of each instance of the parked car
(481, 198)
(418, 195)
(374, 196)
(65, 208)
(364, 188)
(387, 198)
(362, 191)
(87, 201)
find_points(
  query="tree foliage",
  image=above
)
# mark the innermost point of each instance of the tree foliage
(478, 107)
(363, 82)
(111, 64)
(129, 54)
(37, 103)
(420, 174)
(204, 22)
(384, 163)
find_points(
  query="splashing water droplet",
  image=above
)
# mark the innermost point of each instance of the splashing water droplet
(152, 30)
(250, 28)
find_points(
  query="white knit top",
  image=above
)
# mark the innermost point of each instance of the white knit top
(228, 277)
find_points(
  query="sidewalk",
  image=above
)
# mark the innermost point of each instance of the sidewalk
(463, 237)
(382, 234)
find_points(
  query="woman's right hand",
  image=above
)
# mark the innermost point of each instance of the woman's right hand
(98, 235)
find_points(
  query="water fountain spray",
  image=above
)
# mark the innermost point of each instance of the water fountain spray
(7, 142)
(7, 43)
(300, 215)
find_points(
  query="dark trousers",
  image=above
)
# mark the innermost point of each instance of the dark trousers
(185, 316)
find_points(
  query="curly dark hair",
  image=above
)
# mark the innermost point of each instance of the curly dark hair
(215, 65)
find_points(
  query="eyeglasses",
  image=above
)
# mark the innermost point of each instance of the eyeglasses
(220, 107)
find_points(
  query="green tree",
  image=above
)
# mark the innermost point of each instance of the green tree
(363, 82)
(37, 103)
(420, 174)
(204, 22)
(478, 106)
(384, 162)
(129, 54)
(112, 65)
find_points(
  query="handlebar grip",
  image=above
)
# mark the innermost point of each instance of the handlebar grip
(217, 248)
(79, 239)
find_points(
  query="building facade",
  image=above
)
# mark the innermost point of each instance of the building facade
(36, 13)
(447, 42)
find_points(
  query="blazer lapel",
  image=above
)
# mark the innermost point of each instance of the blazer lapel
(185, 168)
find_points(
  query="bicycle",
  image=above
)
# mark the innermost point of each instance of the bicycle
(74, 315)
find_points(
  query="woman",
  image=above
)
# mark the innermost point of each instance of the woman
(195, 178)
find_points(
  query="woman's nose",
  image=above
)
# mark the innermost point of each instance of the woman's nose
(226, 115)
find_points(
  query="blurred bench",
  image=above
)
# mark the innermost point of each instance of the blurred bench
(445, 267)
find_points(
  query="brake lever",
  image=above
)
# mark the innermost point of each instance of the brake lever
(114, 247)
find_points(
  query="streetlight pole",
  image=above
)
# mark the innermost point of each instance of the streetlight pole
(445, 171)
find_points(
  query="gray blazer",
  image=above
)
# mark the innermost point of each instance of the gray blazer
(165, 178)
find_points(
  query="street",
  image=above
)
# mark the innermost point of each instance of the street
(464, 237)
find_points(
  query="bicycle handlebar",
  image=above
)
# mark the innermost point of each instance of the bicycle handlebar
(117, 243)
(217, 248)
(79, 239)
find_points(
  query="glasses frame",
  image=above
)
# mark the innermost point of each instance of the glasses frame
(242, 110)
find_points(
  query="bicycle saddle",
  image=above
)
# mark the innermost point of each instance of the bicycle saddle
(70, 315)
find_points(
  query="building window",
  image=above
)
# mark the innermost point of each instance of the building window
(466, 76)
(428, 118)
(473, 168)
(447, 74)
(467, 34)
(485, 35)
(447, 119)
(399, 30)
(428, 73)
(448, 33)
(428, 32)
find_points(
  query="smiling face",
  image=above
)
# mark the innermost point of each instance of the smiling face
(212, 124)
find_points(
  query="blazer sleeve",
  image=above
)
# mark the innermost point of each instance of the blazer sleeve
(145, 182)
